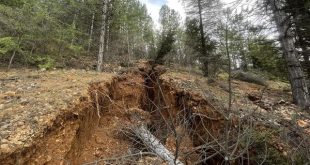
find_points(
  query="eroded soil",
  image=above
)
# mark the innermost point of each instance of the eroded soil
(34, 103)
(79, 117)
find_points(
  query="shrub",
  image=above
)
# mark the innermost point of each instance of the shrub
(45, 62)
(7, 44)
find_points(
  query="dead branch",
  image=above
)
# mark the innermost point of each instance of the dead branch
(154, 144)
(97, 104)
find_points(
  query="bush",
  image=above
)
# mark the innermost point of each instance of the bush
(76, 49)
(266, 153)
(42, 62)
(7, 44)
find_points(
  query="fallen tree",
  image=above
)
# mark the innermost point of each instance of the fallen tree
(154, 145)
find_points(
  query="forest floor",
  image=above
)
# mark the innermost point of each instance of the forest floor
(78, 116)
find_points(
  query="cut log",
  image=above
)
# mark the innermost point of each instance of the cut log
(154, 145)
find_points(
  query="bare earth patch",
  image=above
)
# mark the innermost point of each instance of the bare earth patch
(30, 102)
(76, 117)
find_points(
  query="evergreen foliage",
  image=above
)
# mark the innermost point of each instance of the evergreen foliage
(60, 30)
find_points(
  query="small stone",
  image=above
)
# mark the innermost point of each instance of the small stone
(20, 123)
(98, 152)
(302, 123)
(99, 140)
(4, 141)
(4, 146)
(281, 102)
(62, 162)
(49, 158)
(1, 106)
(18, 142)
(24, 101)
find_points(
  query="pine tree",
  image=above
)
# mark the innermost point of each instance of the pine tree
(296, 76)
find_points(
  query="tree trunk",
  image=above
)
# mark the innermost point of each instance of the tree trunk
(74, 28)
(306, 54)
(296, 76)
(91, 32)
(154, 144)
(234, 61)
(107, 36)
(244, 64)
(14, 53)
(102, 37)
(203, 43)
(307, 62)
(128, 46)
(230, 93)
(11, 60)
(107, 28)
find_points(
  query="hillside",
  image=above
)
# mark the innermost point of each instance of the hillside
(78, 116)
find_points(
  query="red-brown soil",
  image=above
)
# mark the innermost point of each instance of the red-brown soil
(79, 117)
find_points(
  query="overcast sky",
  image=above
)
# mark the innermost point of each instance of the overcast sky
(154, 6)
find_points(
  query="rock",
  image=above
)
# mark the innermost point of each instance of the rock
(99, 140)
(18, 142)
(302, 123)
(224, 86)
(3, 141)
(20, 123)
(1, 106)
(49, 158)
(98, 152)
(9, 94)
(253, 97)
(281, 102)
(4, 147)
(43, 69)
(24, 101)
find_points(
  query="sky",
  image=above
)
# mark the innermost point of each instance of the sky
(153, 7)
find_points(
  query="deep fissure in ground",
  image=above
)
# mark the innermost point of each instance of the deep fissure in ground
(94, 130)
